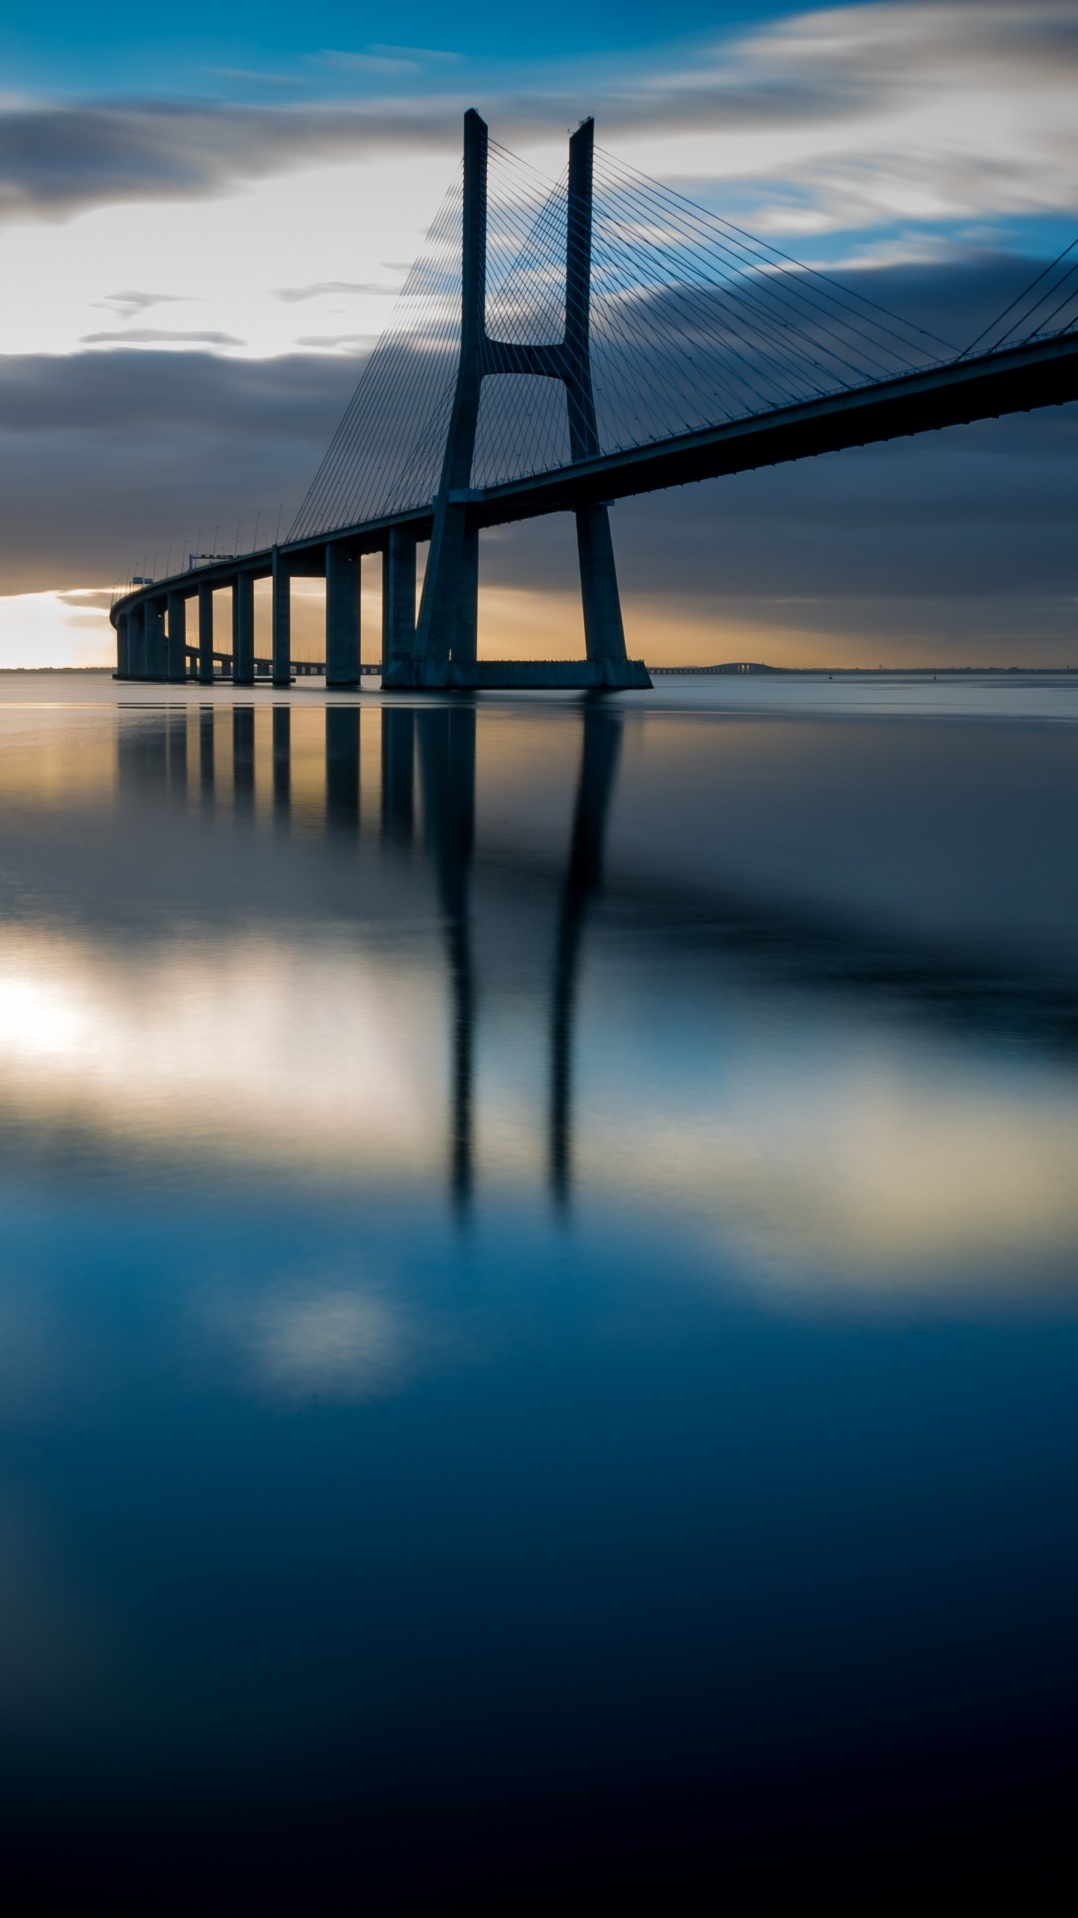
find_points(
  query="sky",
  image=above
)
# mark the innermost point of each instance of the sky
(204, 226)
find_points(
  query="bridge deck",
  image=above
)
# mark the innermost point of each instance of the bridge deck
(1044, 373)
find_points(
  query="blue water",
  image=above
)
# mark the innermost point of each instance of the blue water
(538, 1332)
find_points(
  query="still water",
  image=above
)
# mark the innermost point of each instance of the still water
(538, 1333)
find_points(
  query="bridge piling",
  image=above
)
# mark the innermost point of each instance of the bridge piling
(243, 630)
(123, 661)
(177, 639)
(137, 641)
(205, 633)
(398, 599)
(282, 622)
(342, 616)
(155, 666)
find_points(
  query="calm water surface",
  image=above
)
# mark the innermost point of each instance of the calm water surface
(538, 1282)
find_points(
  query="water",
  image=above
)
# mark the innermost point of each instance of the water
(537, 1289)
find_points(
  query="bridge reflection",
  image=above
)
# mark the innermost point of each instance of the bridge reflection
(438, 745)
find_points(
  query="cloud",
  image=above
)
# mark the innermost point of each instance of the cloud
(107, 455)
(329, 1342)
(58, 160)
(322, 287)
(889, 111)
(333, 342)
(159, 336)
(127, 305)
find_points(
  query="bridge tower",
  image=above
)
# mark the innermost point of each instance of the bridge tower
(445, 636)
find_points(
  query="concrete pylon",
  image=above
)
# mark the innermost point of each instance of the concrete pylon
(451, 574)
(156, 664)
(604, 633)
(205, 633)
(398, 599)
(243, 630)
(177, 638)
(444, 651)
(342, 616)
(282, 622)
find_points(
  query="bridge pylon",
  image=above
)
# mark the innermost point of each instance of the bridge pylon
(443, 649)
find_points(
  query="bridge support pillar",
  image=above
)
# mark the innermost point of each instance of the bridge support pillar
(205, 633)
(604, 634)
(466, 634)
(177, 638)
(136, 640)
(243, 630)
(342, 616)
(398, 600)
(123, 663)
(282, 622)
(154, 618)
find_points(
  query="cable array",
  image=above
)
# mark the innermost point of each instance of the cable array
(1049, 304)
(385, 452)
(693, 322)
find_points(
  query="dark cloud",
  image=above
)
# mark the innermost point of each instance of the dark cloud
(802, 71)
(105, 456)
(56, 160)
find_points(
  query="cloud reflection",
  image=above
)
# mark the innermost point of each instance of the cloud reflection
(328, 1342)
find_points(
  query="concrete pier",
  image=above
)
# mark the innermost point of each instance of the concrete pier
(342, 616)
(243, 630)
(177, 639)
(205, 633)
(282, 622)
(398, 599)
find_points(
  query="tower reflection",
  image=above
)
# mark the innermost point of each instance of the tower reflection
(447, 765)
(447, 758)
(583, 882)
(153, 765)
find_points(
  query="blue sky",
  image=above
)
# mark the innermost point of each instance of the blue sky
(70, 47)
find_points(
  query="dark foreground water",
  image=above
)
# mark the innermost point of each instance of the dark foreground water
(538, 1283)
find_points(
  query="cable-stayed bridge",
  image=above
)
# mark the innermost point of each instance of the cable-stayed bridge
(558, 346)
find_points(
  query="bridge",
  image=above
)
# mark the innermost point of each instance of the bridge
(557, 347)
